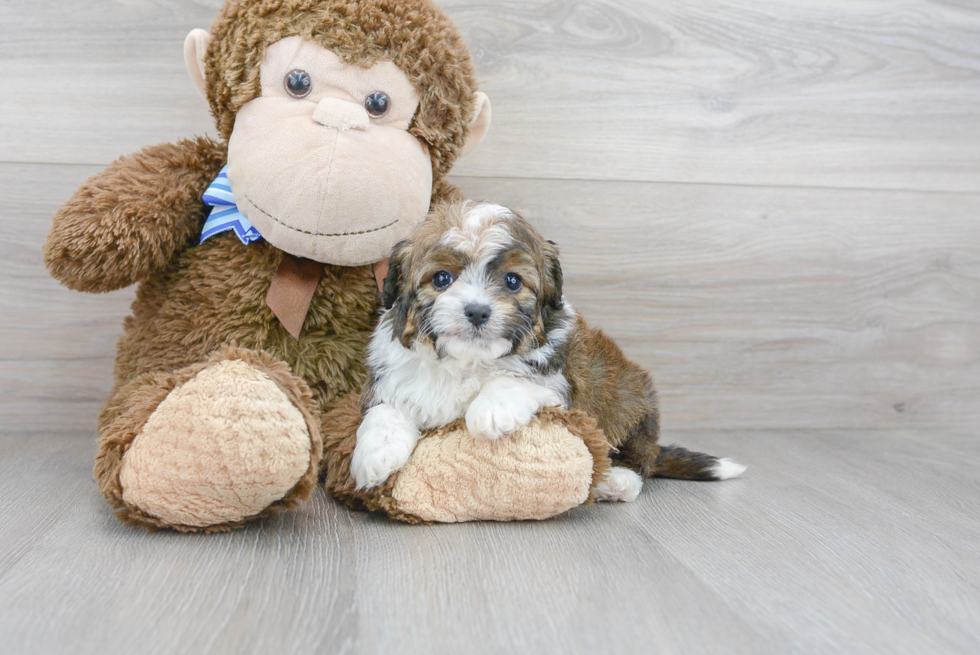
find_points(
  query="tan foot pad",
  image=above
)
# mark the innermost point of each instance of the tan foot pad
(220, 448)
(536, 473)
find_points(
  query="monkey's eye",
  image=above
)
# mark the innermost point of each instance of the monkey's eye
(377, 104)
(298, 83)
(441, 280)
(513, 282)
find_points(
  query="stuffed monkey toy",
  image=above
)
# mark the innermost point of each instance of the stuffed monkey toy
(259, 257)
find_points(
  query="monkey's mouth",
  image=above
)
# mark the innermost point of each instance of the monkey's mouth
(312, 233)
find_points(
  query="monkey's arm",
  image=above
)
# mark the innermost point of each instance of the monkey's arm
(131, 219)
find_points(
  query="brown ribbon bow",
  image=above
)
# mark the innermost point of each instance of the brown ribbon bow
(294, 284)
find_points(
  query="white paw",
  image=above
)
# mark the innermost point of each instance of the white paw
(385, 441)
(506, 405)
(619, 484)
(372, 465)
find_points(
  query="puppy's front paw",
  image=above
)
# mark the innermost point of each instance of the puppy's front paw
(492, 415)
(385, 441)
(372, 465)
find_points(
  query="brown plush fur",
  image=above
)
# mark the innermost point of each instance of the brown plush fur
(128, 222)
(214, 295)
(414, 34)
(139, 222)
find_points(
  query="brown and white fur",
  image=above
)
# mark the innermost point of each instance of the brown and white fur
(495, 351)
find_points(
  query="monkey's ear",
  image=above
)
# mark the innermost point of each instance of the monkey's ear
(480, 124)
(393, 281)
(552, 296)
(195, 47)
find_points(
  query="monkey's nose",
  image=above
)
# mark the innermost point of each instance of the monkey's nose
(477, 314)
(341, 115)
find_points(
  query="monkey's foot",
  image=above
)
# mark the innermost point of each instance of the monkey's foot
(234, 440)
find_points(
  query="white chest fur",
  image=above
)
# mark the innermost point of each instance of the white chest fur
(436, 391)
(432, 392)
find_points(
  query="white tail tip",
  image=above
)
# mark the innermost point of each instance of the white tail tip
(726, 469)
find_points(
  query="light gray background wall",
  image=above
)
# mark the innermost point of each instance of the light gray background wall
(773, 205)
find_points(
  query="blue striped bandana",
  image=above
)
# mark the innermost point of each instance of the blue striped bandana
(224, 213)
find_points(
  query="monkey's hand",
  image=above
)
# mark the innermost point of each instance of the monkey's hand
(506, 404)
(131, 219)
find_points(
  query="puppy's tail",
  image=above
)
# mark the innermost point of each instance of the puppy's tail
(684, 464)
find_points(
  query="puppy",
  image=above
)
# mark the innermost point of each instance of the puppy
(476, 326)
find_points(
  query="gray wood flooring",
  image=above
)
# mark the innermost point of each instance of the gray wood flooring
(775, 206)
(833, 542)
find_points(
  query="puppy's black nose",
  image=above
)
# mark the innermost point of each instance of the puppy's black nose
(477, 314)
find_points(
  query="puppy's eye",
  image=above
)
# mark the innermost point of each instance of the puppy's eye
(377, 104)
(298, 83)
(513, 282)
(441, 280)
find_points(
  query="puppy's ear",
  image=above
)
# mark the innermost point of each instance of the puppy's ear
(393, 281)
(396, 297)
(403, 327)
(552, 293)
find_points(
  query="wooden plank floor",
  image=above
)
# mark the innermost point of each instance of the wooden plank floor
(833, 542)
(774, 206)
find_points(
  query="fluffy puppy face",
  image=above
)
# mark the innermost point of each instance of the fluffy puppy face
(475, 282)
